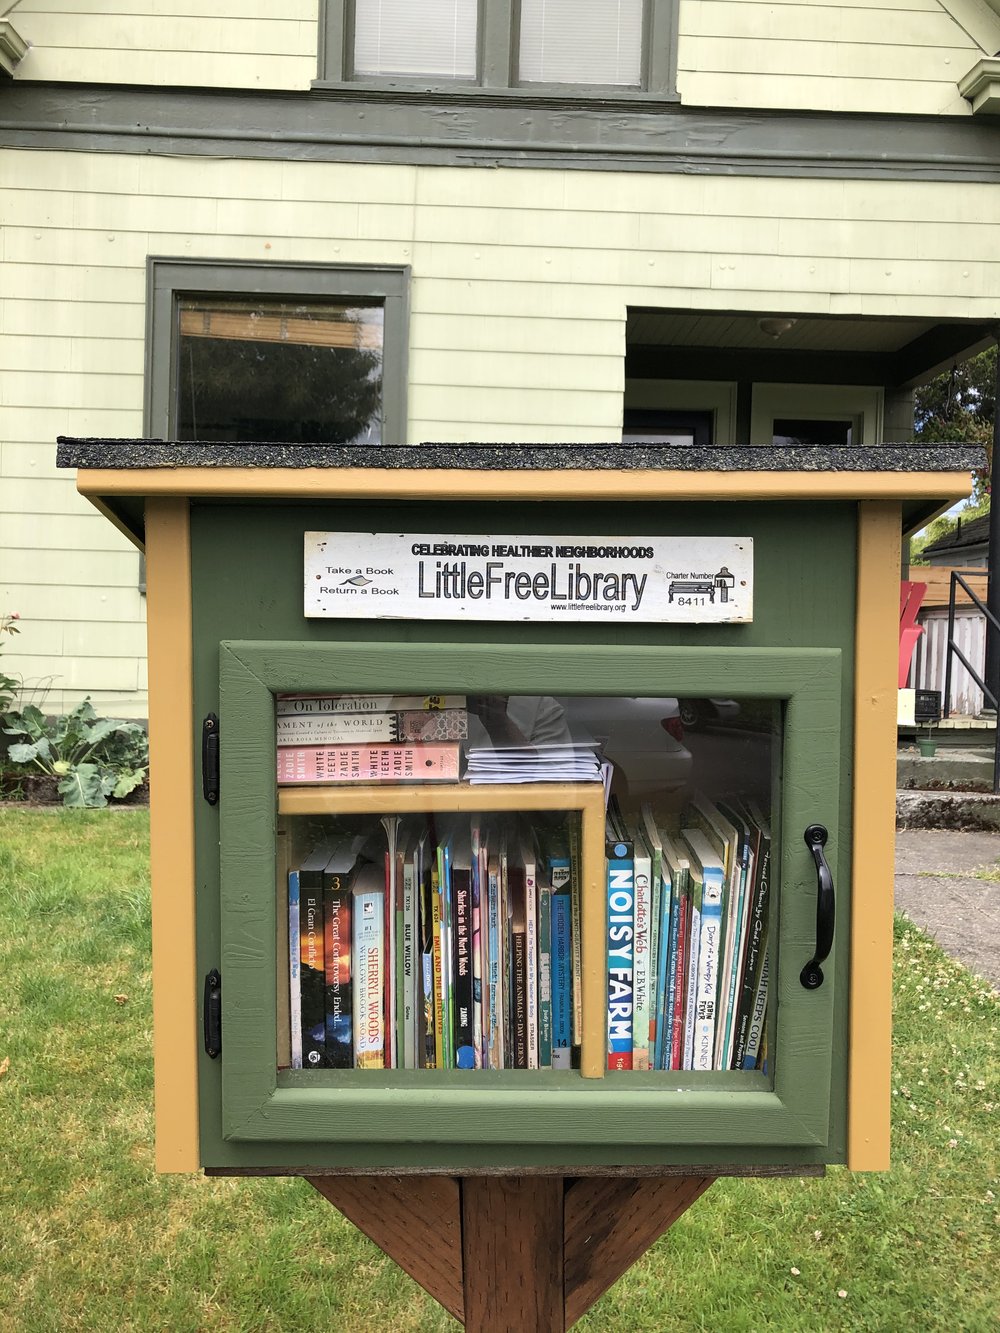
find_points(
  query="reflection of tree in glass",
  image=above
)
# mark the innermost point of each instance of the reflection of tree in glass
(235, 389)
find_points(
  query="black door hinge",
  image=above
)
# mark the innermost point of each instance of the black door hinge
(212, 1014)
(210, 759)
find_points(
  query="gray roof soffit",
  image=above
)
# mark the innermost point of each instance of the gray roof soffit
(131, 454)
(475, 129)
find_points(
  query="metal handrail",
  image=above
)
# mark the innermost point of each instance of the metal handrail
(954, 650)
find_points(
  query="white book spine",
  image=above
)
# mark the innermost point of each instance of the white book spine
(691, 986)
(708, 975)
(368, 992)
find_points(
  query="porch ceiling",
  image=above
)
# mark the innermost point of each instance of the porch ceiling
(898, 353)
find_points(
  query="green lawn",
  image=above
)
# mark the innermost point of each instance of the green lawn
(91, 1238)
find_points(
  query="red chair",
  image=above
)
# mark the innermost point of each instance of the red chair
(911, 595)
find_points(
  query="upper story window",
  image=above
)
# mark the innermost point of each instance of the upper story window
(540, 46)
(411, 39)
(573, 41)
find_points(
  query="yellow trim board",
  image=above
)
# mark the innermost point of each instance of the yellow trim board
(175, 1019)
(518, 484)
(873, 837)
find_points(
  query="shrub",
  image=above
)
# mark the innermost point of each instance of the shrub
(92, 758)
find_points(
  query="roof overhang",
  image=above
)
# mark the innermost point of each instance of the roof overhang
(900, 353)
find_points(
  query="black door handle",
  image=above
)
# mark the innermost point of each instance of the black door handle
(811, 975)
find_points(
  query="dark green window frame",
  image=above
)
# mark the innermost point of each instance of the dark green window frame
(169, 279)
(498, 27)
(787, 1109)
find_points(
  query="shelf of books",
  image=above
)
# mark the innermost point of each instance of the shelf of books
(521, 883)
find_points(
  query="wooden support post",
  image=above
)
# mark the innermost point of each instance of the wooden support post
(512, 1245)
(415, 1220)
(530, 1253)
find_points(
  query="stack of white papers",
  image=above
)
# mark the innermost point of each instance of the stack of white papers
(533, 763)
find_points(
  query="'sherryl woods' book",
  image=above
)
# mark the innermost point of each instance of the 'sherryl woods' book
(369, 967)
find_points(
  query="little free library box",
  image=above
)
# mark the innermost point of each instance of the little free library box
(442, 886)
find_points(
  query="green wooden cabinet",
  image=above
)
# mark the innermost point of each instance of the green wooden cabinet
(475, 1111)
(813, 673)
(793, 663)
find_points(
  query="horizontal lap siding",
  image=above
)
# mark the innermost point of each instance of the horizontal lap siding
(521, 283)
(229, 46)
(896, 56)
(860, 55)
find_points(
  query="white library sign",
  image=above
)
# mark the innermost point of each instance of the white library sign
(420, 576)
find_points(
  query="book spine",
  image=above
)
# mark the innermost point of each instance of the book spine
(438, 971)
(478, 948)
(674, 1048)
(369, 956)
(706, 1001)
(576, 901)
(294, 704)
(408, 964)
(494, 965)
(642, 978)
(531, 961)
(463, 970)
(425, 925)
(757, 1018)
(506, 990)
(447, 955)
(390, 824)
(734, 978)
(337, 907)
(663, 1010)
(656, 889)
(562, 980)
(312, 972)
(337, 728)
(519, 997)
(448, 724)
(691, 980)
(368, 763)
(294, 976)
(753, 959)
(544, 976)
(621, 943)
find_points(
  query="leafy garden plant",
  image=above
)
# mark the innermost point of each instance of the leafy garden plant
(93, 758)
(8, 685)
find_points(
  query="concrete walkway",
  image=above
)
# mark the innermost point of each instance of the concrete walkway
(937, 889)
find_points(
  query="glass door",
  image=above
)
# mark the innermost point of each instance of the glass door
(569, 887)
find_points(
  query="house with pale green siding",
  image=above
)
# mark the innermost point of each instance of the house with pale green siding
(386, 221)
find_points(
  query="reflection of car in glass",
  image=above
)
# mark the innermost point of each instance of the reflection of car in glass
(643, 738)
(695, 713)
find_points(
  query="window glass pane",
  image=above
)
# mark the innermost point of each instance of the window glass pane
(405, 37)
(655, 426)
(309, 373)
(475, 881)
(581, 41)
(798, 430)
